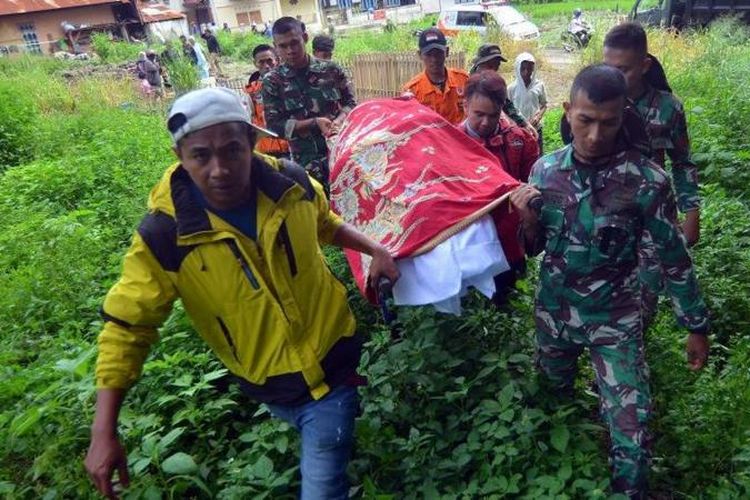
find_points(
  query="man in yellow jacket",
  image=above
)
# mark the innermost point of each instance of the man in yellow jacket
(235, 235)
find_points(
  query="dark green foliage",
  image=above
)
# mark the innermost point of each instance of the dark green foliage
(183, 75)
(19, 115)
(702, 419)
(239, 46)
(720, 131)
(113, 51)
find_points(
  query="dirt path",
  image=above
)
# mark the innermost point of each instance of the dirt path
(557, 70)
(559, 57)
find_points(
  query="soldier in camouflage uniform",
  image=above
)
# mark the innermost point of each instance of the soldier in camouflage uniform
(305, 99)
(625, 48)
(600, 200)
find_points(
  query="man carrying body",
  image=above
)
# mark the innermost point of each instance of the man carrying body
(517, 150)
(625, 48)
(305, 99)
(265, 60)
(485, 121)
(438, 87)
(236, 236)
(600, 200)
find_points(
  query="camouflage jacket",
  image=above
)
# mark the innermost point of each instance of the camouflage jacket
(666, 127)
(290, 95)
(592, 221)
(510, 109)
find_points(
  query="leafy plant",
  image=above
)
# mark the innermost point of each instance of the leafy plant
(115, 51)
(17, 133)
(182, 74)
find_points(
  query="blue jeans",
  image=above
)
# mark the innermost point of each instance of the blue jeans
(327, 428)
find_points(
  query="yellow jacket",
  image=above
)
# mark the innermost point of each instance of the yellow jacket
(271, 310)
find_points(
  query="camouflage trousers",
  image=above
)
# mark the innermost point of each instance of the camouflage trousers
(651, 276)
(617, 356)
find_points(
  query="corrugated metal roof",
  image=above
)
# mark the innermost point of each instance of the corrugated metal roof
(9, 7)
(154, 13)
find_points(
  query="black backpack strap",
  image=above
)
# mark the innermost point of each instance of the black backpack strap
(298, 175)
(159, 232)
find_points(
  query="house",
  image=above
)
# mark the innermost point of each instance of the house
(374, 12)
(45, 26)
(243, 13)
(161, 22)
(198, 12)
(307, 11)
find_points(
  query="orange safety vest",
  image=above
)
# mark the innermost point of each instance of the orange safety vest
(448, 103)
(266, 145)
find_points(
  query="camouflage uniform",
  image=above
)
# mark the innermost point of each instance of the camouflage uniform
(290, 95)
(592, 222)
(666, 128)
(510, 109)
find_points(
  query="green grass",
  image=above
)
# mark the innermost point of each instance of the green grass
(540, 12)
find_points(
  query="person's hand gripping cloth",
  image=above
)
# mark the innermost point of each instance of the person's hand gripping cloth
(408, 179)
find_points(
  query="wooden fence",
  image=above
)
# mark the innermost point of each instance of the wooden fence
(384, 75)
(374, 75)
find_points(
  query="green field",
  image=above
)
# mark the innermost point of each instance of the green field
(453, 411)
(539, 12)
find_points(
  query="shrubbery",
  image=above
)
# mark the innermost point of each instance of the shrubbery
(19, 115)
(239, 46)
(115, 51)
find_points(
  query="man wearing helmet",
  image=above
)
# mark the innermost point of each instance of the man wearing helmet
(579, 27)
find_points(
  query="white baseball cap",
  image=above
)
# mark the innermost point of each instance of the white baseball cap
(203, 108)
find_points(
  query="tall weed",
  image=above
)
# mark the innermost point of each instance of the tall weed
(115, 51)
(17, 133)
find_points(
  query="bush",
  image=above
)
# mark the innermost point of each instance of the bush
(115, 51)
(19, 117)
(239, 46)
(183, 75)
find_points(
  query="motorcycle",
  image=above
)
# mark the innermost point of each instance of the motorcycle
(577, 36)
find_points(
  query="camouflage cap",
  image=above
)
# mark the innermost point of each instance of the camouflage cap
(487, 52)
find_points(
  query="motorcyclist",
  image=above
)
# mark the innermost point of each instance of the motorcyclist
(579, 27)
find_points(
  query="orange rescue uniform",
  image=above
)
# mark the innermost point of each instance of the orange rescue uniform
(448, 103)
(266, 145)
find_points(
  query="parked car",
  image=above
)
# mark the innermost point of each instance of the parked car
(453, 20)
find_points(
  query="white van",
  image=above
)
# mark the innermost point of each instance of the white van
(477, 17)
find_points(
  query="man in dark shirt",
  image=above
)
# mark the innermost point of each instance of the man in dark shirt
(214, 51)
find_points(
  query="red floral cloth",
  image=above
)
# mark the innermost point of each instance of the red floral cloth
(407, 178)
